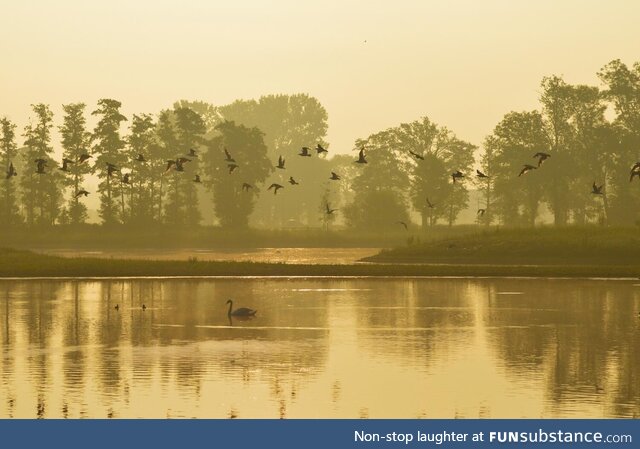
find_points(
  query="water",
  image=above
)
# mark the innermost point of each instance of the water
(329, 256)
(333, 348)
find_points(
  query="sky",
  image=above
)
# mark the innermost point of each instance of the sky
(373, 64)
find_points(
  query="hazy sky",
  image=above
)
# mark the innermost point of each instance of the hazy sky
(462, 63)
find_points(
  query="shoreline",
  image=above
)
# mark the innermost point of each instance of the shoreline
(18, 264)
(303, 277)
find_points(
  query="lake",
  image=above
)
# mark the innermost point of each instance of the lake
(320, 348)
(330, 256)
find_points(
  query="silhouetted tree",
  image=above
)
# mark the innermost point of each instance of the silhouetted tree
(167, 142)
(556, 101)
(234, 204)
(10, 215)
(40, 191)
(622, 90)
(144, 174)
(513, 143)
(108, 149)
(381, 185)
(289, 122)
(75, 142)
(431, 178)
(190, 128)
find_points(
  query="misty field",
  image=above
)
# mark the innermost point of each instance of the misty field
(573, 251)
(588, 245)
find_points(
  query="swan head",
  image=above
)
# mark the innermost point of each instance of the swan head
(229, 301)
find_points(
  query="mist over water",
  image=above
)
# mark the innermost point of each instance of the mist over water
(430, 348)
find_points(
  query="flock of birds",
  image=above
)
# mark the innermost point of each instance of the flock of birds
(42, 164)
(178, 166)
(232, 165)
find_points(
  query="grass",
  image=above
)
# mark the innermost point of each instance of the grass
(583, 246)
(96, 237)
(19, 263)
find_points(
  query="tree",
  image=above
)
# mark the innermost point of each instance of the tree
(590, 151)
(144, 174)
(108, 149)
(167, 142)
(289, 122)
(556, 100)
(232, 202)
(190, 128)
(514, 141)
(40, 191)
(380, 187)
(622, 90)
(75, 142)
(431, 178)
(8, 191)
(487, 161)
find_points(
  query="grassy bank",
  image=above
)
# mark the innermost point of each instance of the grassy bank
(17, 263)
(583, 246)
(120, 237)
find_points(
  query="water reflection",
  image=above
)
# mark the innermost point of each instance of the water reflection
(366, 348)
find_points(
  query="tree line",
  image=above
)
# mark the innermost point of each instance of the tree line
(174, 168)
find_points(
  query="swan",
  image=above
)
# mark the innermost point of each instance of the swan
(242, 311)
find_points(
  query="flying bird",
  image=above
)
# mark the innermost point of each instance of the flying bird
(197, 179)
(275, 188)
(526, 168)
(361, 158)
(541, 157)
(416, 155)
(635, 171)
(141, 158)
(40, 165)
(228, 157)
(11, 171)
(334, 176)
(83, 158)
(111, 169)
(232, 167)
(81, 192)
(596, 190)
(192, 153)
(65, 163)
(481, 175)
(457, 175)
(304, 151)
(406, 228)
(320, 149)
(328, 209)
(292, 181)
(246, 187)
(430, 205)
(170, 163)
(280, 162)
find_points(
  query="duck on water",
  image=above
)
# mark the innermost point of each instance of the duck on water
(242, 311)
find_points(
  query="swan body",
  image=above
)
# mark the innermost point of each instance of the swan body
(242, 311)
